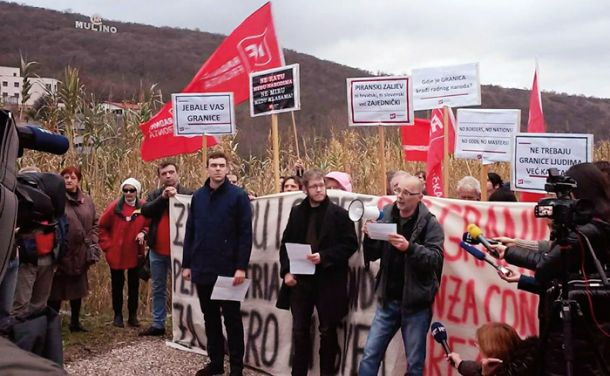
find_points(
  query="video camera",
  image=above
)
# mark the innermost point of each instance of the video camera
(565, 211)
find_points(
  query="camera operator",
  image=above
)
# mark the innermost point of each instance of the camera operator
(567, 260)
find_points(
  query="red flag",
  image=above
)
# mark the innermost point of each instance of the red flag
(251, 47)
(434, 166)
(535, 124)
(415, 140)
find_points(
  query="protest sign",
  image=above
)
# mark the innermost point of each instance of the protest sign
(379, 101)
(203, 113)
(535, 153)
(275, 90)
(453, 86)
(470, 292)
(486, 134)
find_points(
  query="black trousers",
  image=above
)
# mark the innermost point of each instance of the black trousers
(231, 312)
(75, 305)
(117, 278)
(303, 299)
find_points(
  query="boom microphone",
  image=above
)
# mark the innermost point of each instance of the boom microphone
(41, 140)
(440, 335)
(483, 257)
(475, 232)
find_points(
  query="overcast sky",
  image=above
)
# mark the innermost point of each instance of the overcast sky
(570, 39)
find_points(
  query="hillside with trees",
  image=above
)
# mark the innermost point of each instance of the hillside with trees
(115, 66)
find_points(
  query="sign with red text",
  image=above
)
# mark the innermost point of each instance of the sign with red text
(275, 90)
(535, 153)
(452, 86)
(203, 113)
(380, 101)
(486, 134)
(470, 292)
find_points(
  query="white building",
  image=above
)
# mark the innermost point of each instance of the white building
(11, 82)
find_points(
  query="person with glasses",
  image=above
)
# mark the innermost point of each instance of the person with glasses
(122, 233)
(326, 227)
(408, 279)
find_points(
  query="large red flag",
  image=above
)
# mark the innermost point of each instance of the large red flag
(535, 124)
(251, 47)
(415, 140)
(434, 166)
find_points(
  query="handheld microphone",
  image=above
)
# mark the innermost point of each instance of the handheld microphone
(440, 335)
(475, 232)
(483, 257)
(42, 140)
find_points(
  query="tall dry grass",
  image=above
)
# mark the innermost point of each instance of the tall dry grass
(115, 155)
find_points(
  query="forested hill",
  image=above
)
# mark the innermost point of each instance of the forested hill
(115, 65)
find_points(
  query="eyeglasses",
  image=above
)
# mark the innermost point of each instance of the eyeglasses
(405, 192)
(129, 190)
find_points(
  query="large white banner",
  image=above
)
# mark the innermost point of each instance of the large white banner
(380, 101)
(453, 86)
(486, 134)
(470, 294)
(535, 153)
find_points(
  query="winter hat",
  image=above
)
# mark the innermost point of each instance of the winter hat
(344, 180)
(133, 182)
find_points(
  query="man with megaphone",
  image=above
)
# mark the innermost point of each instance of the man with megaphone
(408, 279)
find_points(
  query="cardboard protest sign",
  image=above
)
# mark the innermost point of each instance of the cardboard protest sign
(470, 292)
(452, 86)
(379, 101)
(535, 153)
(203, 113)
(486, 134)
(275, 90)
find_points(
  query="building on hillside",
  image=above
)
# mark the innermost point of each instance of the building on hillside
(120, 108)
(11, 83)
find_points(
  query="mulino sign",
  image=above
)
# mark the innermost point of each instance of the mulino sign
(95, 25)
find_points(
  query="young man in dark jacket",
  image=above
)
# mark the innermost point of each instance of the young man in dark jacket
(157, 209)
(218, 242)
(328, 229)
(408, 278)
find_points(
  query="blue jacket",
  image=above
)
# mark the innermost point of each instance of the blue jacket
(218, 238)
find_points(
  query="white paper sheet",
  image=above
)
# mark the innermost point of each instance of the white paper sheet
(381, 231)
(297, 254)
(224, 289)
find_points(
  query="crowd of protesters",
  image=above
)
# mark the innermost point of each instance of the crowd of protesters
(134, 236)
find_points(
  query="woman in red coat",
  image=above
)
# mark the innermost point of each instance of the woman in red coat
(122, 231)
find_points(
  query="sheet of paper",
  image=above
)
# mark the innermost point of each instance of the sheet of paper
(297, 254)
(224, 289)
(381, 231)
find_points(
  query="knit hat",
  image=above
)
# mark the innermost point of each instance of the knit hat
(133, 182)
(344, 180)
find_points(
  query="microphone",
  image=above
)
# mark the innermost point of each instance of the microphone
(440, 335)
(483, 257)
(42, 140)
(475, 232)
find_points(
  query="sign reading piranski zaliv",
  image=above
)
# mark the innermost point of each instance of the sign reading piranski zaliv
(470, 293)
(380, 101)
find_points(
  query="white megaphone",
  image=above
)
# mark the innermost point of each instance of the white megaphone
(357, 211)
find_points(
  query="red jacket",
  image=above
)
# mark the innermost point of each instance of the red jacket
(118, 228)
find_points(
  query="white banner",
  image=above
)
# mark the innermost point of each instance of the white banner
(203, 113)
(535, 153)
(470, 294)
(453, 86)
(486, 134)
(379, 101)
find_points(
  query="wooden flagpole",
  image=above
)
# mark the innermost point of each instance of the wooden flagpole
(483, 181)
(382, 168)
(296, 138)
(204, 149)
(276, 152)
(446, 110)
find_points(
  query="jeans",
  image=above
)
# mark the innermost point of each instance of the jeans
(159, 268)
(117, 278)
(231, 312)
(7, 288)
(414, 328)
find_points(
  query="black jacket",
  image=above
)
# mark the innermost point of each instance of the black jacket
(423, 262)
(521, 362)
(154, 208)
(337, 243)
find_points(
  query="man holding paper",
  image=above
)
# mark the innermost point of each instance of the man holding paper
(408, 278)
(321, 233)
(217, 244)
